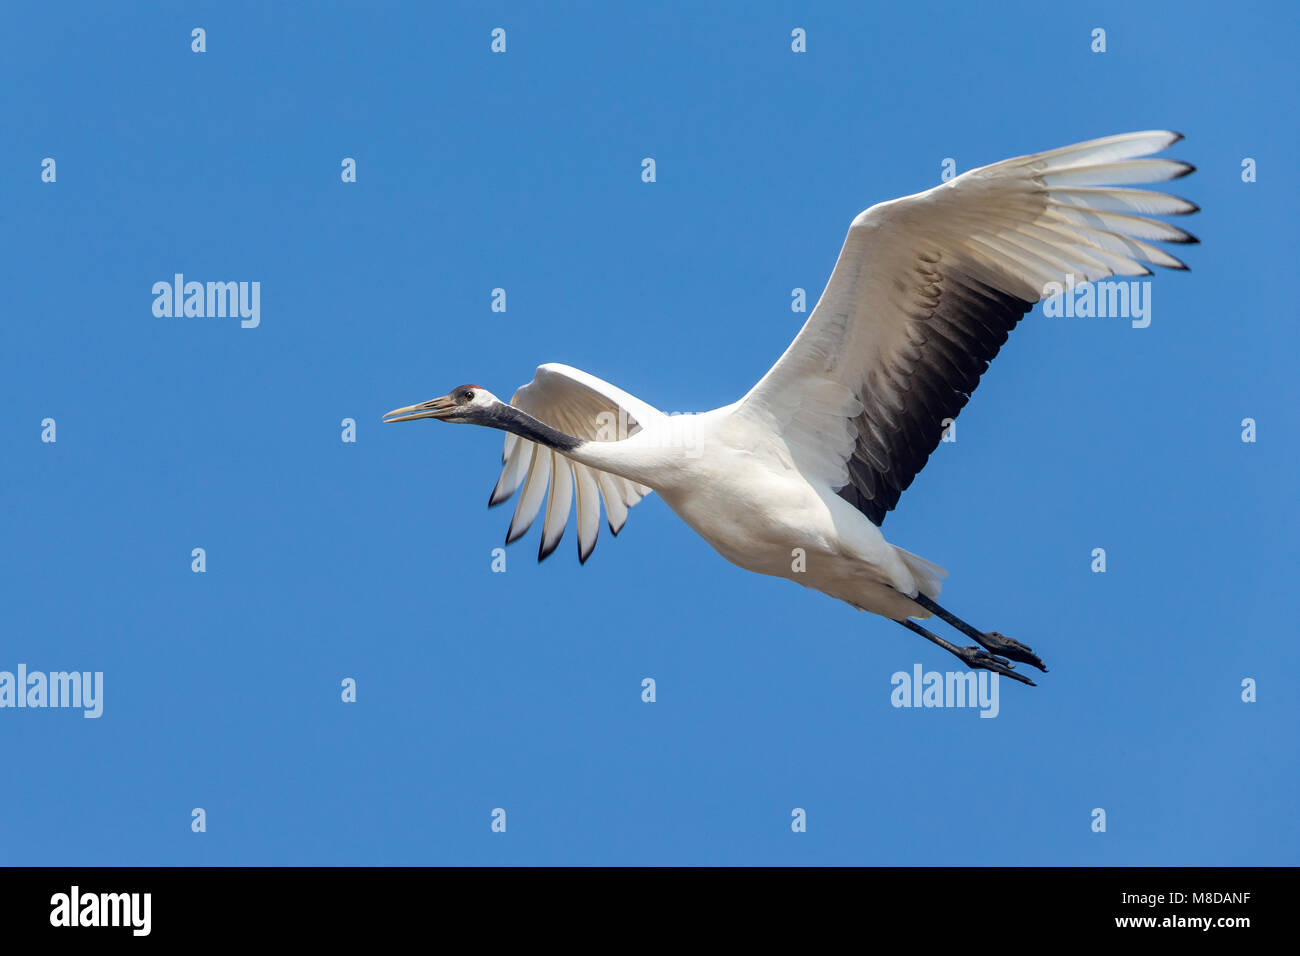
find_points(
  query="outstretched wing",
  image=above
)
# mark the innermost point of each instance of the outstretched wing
(927, 289)
(586, 407)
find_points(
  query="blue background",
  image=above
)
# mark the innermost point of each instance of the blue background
(522, 690)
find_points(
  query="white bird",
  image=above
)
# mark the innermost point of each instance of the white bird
(924, 293)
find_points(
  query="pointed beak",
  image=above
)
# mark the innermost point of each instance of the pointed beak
(434, 408)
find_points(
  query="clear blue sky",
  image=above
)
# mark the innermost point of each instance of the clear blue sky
(521, 690)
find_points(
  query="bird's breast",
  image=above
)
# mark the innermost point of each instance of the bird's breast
(755, 516)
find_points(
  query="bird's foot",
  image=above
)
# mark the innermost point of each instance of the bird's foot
(997, 643)
(978, 657)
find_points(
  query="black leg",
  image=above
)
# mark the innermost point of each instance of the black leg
(973, 656)
(991, 641)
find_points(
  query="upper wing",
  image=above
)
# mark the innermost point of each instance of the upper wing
(927, 288)
(586, 407)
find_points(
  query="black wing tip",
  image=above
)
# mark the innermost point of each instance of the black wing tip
(583, 556)
(543, 552)
(1187, 170)
(512, 538)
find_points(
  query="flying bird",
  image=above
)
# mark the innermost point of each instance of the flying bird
(924, 294)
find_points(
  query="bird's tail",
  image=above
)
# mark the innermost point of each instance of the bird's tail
(929, 576)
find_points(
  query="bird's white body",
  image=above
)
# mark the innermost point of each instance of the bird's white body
(722, 471)
(795, 478)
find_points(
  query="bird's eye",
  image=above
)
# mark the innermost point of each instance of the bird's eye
(467, 396)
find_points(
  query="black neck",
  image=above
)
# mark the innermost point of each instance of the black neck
(510, 419)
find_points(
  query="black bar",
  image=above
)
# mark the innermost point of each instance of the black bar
(337, 905)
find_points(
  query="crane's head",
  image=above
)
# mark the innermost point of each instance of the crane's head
(469, 405)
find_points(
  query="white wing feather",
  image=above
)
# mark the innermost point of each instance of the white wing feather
(927, 289)
(586, 407)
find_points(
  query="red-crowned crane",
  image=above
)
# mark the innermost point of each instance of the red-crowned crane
(925, 291)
